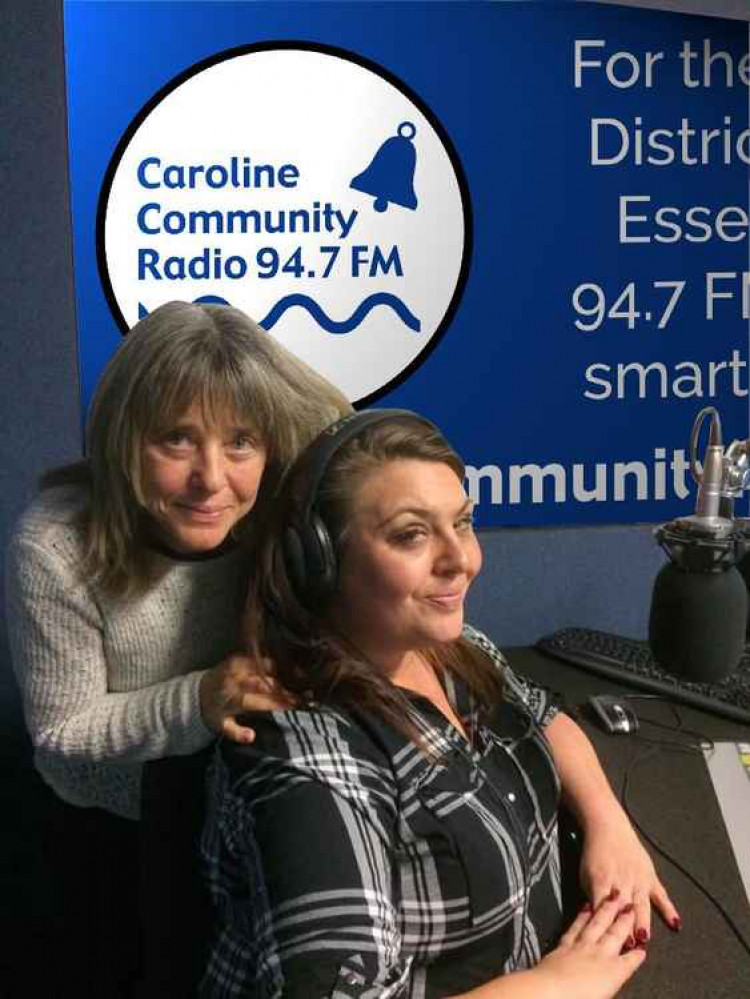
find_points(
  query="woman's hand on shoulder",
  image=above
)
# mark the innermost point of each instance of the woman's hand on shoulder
(597, 954)
(235, 686)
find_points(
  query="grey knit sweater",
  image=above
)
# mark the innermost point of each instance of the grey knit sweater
(109, 683)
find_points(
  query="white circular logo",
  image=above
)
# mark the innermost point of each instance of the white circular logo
(305, 187)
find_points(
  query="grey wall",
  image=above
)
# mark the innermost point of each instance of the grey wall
(534, 580)
(38, 375)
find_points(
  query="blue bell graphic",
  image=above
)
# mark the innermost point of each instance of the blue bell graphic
(390, 175)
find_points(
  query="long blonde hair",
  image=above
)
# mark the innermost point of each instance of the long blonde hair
(179, 355)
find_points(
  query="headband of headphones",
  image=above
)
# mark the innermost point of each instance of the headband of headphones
(329, 442)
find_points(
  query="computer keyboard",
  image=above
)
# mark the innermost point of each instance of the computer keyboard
(626, 660)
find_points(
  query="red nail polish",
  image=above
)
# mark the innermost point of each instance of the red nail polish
(642, 945)
(615, 893)
(630, 943)
(587, 907)
(676, 923)
(641, 935)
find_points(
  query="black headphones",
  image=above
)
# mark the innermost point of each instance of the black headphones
(308, 552)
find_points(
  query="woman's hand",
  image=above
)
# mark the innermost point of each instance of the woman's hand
(596, 956)
(614, 860)
(238, 684)
(613, 857)
(593, 960)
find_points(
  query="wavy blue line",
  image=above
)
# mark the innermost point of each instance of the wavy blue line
(347, 325)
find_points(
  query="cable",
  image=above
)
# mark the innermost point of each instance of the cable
(702, 742)
(714, 438)
(647, 754)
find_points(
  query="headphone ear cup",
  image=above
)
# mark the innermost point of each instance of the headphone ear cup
(310, 560)
(321, 560)
(294, 561)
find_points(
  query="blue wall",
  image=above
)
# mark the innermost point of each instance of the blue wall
(534, 581)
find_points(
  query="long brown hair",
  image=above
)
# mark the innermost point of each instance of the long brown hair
(309, 658)
(180, 354)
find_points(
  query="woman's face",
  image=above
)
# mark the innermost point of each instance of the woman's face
(200, 480)
(410, 556)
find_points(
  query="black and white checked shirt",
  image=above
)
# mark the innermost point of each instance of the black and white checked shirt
(345, 863)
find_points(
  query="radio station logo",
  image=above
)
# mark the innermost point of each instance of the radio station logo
(305, 186)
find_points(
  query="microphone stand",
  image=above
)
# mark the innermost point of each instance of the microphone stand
(699, 608)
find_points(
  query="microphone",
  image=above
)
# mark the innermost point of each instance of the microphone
(699, 606)
(708, 506)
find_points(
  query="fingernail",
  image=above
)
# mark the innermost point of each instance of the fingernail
(615, 893)
(626, 909)
(641, 935)
(641, 945)
(587, 907)
(676, 923)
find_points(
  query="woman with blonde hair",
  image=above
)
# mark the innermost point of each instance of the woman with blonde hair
(127, 574)
(394, 834)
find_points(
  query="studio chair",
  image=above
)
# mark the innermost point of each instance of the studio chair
(176, 907)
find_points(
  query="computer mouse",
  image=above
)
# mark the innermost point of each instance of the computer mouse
(615, 714)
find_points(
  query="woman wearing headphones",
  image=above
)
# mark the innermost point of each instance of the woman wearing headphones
(395, 835)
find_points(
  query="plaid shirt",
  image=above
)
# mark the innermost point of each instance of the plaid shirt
(346, 863)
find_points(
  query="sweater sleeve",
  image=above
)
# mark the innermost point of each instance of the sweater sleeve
(57, 644)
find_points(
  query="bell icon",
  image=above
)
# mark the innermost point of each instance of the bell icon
(390, 175)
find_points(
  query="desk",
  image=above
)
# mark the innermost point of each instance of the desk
(673, 799)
